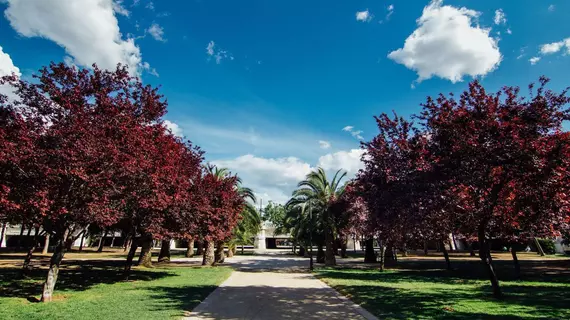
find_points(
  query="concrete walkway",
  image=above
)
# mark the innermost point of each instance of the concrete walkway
(275, 287)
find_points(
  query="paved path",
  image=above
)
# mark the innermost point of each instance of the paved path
(275, 287)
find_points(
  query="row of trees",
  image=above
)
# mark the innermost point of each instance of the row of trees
(83, 149)
(484, 166)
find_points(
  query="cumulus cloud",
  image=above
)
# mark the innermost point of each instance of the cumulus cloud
(534, 60)
(87, 29)
(7, 67)
(550, 48)
(500, 17)
(345, 160)
(217, 54)
(119, 9)
(324, 144)
(157, 32)
(448, 44)
(364, 16)
(173, 128)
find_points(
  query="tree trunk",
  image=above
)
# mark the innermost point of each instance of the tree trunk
(404, 250)
(445, 254)
(382, 256)
(539, 247)
(113, 239)
(129, 263)
(145, 258)
(19, 243)
(2, 234)
(81, 242)
(242, 249)
(53, 272)
(395, 254)
(46, 245)
(426, 251)
(343, 246)
(320, 253)
(101, 242)
(26, 267)
(220, 256)
(200, 248)
(128, 243)
(369, 255)
(231, 250)
(190, 249)
(164, 255)
(301, 251)
(330, 259)
(485, 256)
(516, 262)
(294, 248)
(209, 257)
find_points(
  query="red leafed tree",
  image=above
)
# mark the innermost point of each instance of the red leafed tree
(220, 212)
(502, 161)
(81, 125)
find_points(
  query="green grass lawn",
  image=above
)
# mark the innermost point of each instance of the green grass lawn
(94, 290)
(428, 294)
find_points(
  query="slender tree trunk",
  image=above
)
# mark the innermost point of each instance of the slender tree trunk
(382, 256)
(113, 239)
(485, 256)
(426, 251)
(145, 258)
(301, 252)
(369, 255)
(130, 258)
(102, 242)
(164, 255)
(200, 248)
(81, 242)
(330, 259)
(343, 247)
(446, 255)
(220, 256)
(516, 262)
(128, 243)
(209, 257)
(404, 250)
(395, 254)
(539, 247)
(190, 249)
(53, 272)
(320, 253)
(19, 243)
(46, 244)
(26, 267)
(294, 248)
(2, 234)
(242, 249)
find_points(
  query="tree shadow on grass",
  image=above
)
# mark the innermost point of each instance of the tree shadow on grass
(547, 302)
(73, 276)
(183, 299)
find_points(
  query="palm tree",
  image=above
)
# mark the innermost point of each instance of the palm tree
(319, 194)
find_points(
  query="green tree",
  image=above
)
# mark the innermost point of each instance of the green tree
(316, 195)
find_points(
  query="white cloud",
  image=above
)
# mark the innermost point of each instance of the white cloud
(324, 144)
(173, 128)
(7, 67)
(534, 60)
(119, 9)
(136, 3)
(364, 16)
(390, 12)
(218, 54)
(448, 44)
(157, 32)
(500, 17)
(509, 31)
(551, 8)
(87, 29)
(346, 160)
(555, 47)
(354, 133)
(150, 6)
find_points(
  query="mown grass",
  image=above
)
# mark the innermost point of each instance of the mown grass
(95, 290)
(459, 294)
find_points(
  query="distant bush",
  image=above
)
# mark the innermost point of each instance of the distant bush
(547, 245)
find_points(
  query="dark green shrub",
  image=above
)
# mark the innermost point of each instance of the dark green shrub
(547, 245)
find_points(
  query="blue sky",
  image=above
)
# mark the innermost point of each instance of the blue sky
(266, 87)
